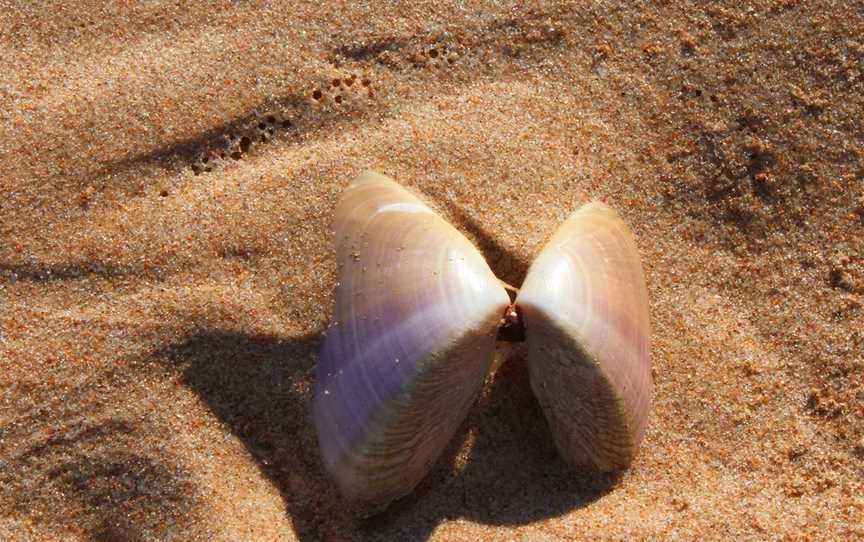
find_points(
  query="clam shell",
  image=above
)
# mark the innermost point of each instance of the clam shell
(585, 308)
(410, 342)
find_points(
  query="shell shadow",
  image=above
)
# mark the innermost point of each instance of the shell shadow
(261, 388)
(507, 264)
(502, 468)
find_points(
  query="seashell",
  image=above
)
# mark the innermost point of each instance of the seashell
(584, 304)
(413, 333)
(412, 337)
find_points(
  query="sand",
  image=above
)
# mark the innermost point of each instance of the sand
(169, 174)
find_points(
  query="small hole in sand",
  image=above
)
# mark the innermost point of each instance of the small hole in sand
(205, 159)
(164, 193)
(245, 143)
(348, 82)
(286, 123)
(336, 82)
(366, 82)
(317, 95)
(261, 126)
(433, 53)
(338, 99)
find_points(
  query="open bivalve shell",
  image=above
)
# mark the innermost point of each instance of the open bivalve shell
(411, 339)
(413, 334)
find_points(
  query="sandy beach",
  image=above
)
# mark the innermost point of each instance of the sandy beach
(168, 176)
